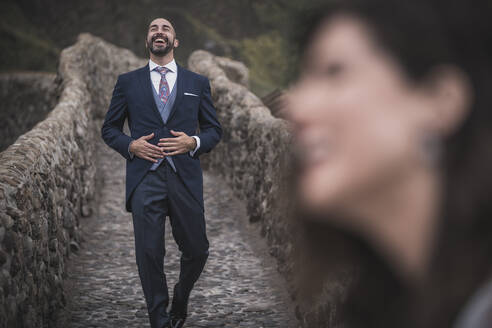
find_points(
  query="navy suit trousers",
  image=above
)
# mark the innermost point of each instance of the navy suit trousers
(162, 194)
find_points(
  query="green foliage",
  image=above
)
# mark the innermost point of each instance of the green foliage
(32, 32)
(269, 61)
(278, 14)
(23, 47)
(201, 32)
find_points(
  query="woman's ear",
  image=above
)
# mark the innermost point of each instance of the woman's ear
(450, 92)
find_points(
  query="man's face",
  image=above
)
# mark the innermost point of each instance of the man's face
(161, 37)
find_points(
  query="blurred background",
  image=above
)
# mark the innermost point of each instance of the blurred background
(33, 32)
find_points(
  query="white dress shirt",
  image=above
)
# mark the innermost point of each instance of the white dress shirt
(171, 77)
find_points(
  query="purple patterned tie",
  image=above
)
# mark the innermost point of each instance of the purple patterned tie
(163, 86)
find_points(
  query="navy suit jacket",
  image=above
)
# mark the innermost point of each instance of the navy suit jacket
(194, 115)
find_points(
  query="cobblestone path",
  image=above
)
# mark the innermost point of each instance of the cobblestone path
(238, 288)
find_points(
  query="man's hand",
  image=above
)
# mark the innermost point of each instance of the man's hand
(145, 150)
(182, 143)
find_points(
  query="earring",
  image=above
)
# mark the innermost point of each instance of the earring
(431, 146)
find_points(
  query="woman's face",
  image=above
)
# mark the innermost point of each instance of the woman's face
(356, 118)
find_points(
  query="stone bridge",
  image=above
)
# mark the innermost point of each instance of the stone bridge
(66, 243)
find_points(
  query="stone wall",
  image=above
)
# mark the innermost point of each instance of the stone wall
(253, 154)
(254, 157)
(47, 183)
(25, 99)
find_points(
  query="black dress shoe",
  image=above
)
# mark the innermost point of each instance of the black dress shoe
(178, 310)
(160, 319)
(178, 318)
(177, 322)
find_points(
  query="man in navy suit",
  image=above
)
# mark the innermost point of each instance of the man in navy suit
(172, 121)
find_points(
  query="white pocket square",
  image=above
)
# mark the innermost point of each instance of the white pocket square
(190, 94)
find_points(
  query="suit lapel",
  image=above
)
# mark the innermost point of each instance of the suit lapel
(146, 91)
(179, 92)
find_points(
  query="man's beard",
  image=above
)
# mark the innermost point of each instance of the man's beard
(159, 50)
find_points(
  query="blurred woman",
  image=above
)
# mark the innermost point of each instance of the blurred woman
(392, 126)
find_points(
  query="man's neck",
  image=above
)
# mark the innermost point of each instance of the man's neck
(164, 60)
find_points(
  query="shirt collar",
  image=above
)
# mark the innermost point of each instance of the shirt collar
(171, 65)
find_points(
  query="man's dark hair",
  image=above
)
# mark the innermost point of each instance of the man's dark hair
(169, 20)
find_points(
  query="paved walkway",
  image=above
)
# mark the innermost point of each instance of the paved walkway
(238, 288)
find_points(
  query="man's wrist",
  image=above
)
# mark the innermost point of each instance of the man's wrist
(192, 144)
(130, 154)
(197, 145)
(130, 147)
